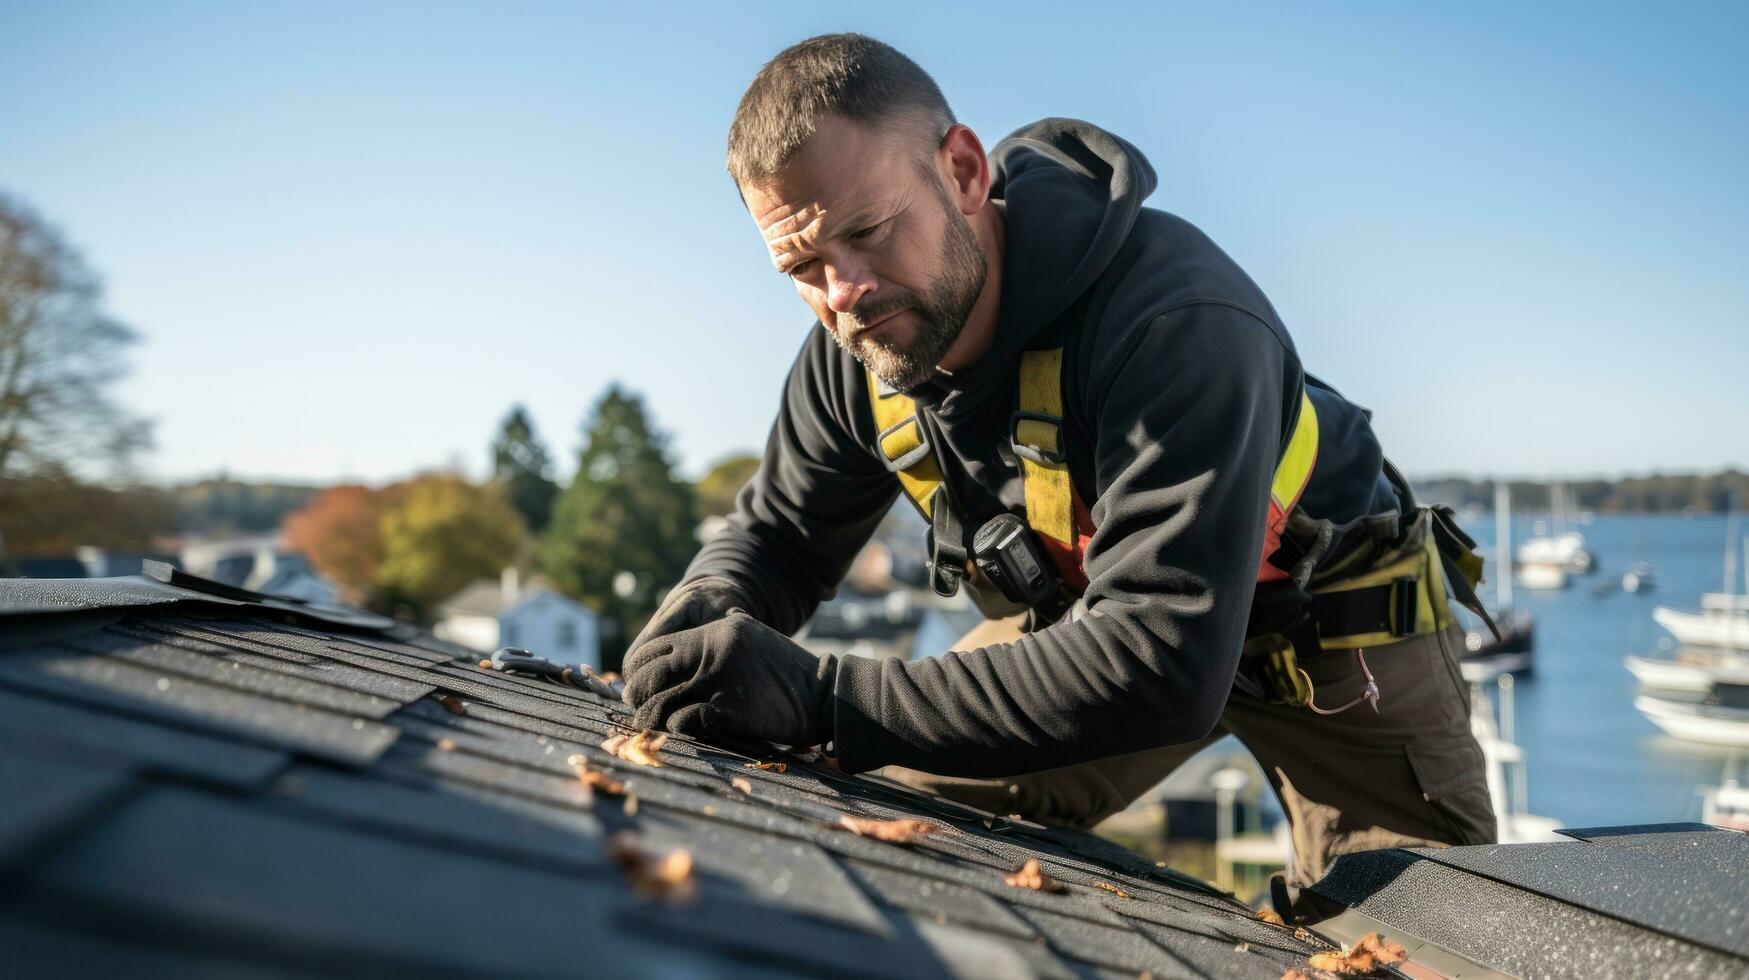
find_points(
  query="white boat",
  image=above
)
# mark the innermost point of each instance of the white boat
(1562, 549)
(1541, 577)
(1697, 722)
(1721, 621)
(1727, 804)
(1691, 671)
(1723, 618)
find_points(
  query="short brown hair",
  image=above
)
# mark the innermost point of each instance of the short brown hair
(849, 75)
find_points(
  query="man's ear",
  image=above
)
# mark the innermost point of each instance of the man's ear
(962, 162)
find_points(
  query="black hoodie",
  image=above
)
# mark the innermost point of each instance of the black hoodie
(1180, 387)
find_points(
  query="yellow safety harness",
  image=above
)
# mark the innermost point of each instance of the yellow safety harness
(1400, 595)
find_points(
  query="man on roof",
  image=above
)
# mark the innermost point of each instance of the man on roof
(1174, 531)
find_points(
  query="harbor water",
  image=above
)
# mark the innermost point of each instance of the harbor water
(1592, 758)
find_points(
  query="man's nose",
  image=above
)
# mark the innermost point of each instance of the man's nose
(846, 284)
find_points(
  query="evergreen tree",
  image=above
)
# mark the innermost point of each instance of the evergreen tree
(624, 529)
(521, 463)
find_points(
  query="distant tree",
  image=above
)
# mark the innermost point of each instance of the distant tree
(50, 512)
(340, 532)
(59, 357)
(442, 534)
(719, 487)
(521, 463)
(626, 520)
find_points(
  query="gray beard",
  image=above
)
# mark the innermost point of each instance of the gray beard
(941, 312)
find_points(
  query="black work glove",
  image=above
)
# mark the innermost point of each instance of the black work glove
(735, 677)
(690, 604)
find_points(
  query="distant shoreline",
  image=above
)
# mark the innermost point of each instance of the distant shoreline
(1675, 494)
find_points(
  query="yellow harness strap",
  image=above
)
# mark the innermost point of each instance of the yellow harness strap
(901, 442)
(1037, 440)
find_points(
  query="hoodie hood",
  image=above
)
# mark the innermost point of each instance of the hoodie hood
(1070, 193)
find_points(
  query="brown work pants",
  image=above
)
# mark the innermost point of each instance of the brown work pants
(1409, 775)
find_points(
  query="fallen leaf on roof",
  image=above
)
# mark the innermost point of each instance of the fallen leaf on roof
(1032, 876)
(900, 831)
(1108, 886)
(778, 767)
(640, 749)
(668, 877)
(1270, 916)
(452, 704)
(606, 676)
(1367, 955)
(485, 665)
(446, 745)
(742, 784)
(595, 778)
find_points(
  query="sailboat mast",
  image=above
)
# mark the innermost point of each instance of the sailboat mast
(1502, 546)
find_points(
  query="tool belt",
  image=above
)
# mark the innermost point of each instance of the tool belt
(1399, 595)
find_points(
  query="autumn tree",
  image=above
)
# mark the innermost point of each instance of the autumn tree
(340, 532)
(520, 462)
(442, 534)
(624, 529)
(60, 357)
(719, 487)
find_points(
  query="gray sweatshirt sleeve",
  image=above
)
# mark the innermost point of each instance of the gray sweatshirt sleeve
(814, 501)
(1189, 422)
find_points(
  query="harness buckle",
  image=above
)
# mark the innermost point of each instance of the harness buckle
(910, 457)
(1030, 452)
(1404, 601)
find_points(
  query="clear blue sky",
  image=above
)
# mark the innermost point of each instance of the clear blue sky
(354, 234)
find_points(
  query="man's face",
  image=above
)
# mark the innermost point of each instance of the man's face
(864, 227)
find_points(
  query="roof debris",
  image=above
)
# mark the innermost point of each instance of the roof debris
(668, 877)
(900, 831)
(595, 778)
(639, 749)
(778, 767)
(1108, 886)
(1271, 916)
(741, 783)
(446, 745)
(452, 704)
(1032, 876)
(1368, 956)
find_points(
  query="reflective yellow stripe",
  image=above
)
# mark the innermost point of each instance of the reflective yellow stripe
(1295, 469)
(921, 479)
(1050, 502)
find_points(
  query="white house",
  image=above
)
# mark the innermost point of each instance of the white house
(488, 615)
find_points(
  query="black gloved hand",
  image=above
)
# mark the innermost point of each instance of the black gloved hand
(735, 677)
(690, 604)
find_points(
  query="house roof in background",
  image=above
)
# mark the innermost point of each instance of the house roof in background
(210, 783)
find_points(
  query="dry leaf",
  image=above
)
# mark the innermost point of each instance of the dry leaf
(485, 665)
(446, 745)
(1297, 974)
(1032, 876)
(452, 704)
(1270, 916)
(595, 778)
(1369, 954)
(742, 784)
(901, 831)
(1119, 892)
(607, 676)
(668, 877)
(640, 749)
(778, 767)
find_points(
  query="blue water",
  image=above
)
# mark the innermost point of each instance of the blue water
(1592, 759)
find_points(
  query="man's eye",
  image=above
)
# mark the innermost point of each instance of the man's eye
(864, 233)
(799, 269)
